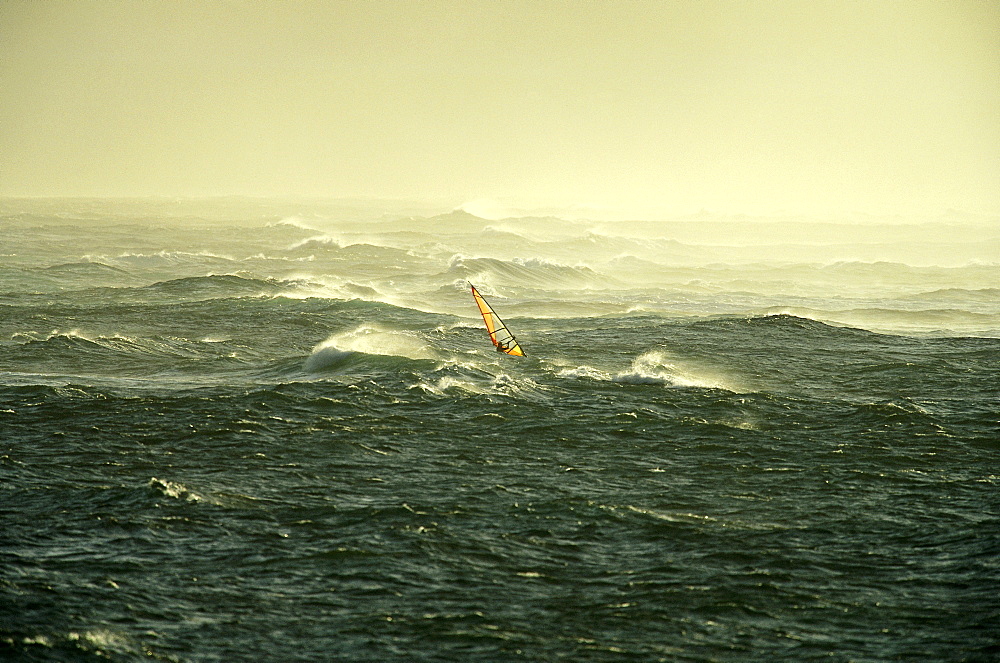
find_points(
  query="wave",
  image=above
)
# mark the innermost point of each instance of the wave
(463, 232)
(444, 363)
(318, 242)
(981, 295)
(455, 222)
(656, 367)
(79, 275)
(891, 320)
(174, 490)
(809, 323)
(898, 414)
(159, 346)
(341, 350)
(450, 385)
(95, 643)
(784, 319)
(216, 286)
(294, 222)
(164, 259)
(84, 268)
(345, 244)
(369, 254)
(536, 272)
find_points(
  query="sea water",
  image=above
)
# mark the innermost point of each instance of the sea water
(267, 430)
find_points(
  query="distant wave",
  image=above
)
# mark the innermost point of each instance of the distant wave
(164, 258)
(78, 343)
(525, 272)
(985, 295)
(73, 275)
(222, 284)
(942, 321)
(295, 222)
(316, 242)
(912, 274)
(778, 319)
(86, 268)
(344, 249)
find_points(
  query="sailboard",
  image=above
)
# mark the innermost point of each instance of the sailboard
(502, 337)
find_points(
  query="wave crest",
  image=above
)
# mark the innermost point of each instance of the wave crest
(367, 339)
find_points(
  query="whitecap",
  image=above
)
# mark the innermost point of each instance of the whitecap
(368, 339)
(173, 489)
(656, 367)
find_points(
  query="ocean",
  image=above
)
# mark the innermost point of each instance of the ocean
(239, 429)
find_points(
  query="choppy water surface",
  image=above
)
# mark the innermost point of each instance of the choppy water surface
(269, 431)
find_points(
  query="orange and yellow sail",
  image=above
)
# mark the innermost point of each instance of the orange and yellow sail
(502, 338)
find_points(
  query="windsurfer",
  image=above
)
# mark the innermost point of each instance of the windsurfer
(496, 327)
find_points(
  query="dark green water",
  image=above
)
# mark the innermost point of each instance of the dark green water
(226, 438)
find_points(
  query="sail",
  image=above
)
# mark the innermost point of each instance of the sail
(502, 338)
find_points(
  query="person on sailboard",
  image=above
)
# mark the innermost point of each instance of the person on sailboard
(503, 346)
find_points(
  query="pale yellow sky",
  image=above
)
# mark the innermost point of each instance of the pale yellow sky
(804, 106)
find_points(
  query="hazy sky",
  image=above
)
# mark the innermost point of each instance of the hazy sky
(731, 106)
